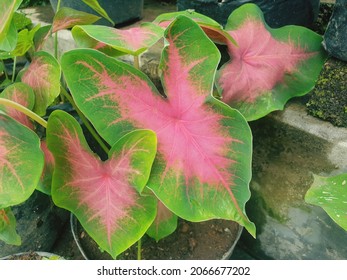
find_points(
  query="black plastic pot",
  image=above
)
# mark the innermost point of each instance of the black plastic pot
(277, 13)
(335, 37)
(120, 11)
(39, 224)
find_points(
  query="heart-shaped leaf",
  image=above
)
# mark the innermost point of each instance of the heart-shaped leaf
(67, 18)
(202, 170)
(8, 31)
(211, 28)
(104, 196)
(25, 41)
(8, 232)
(164, 224)
(268, 66)
(166, 19)
(22, 94)
(330, 193)
(43, 76)
(132, 41)
(21, 162)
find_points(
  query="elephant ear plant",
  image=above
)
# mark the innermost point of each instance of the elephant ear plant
(202, 167)
(268, 66)
(177, 153)
(26, 163)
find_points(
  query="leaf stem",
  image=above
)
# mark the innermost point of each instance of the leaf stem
(14, 69)
(56, 35)
(56, 44)
(137, 62)
(24, 110)
(139, 249)
(85, 121)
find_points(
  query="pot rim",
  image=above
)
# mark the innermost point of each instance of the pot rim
(40, 253)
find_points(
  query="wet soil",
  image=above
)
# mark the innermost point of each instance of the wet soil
(213, 239)
(191, 241)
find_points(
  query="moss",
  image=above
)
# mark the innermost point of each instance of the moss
(328, 100)
(325, 11)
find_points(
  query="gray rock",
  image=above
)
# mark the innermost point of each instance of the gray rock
(335, 37)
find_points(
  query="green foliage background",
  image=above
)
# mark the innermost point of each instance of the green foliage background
(32, 3)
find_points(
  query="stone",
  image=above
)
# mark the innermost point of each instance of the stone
(328, 100)
(335, 37)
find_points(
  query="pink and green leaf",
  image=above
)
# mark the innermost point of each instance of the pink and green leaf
(132, 41)
(67, 18)
(43, 76)
(8, 232)
(105, 196)
(41, 36)
(8, 31)
(45, 183)
(164, 224)
(22, 94)
(211, 28)
(268, 66)
(330, 193)
(21, 162)
(203, 167)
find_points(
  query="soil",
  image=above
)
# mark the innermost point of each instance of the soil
(213, 239)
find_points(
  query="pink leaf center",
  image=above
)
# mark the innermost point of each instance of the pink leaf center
(21, 117)
(258, 63)
(102, 187)
(191, 139)
(8, 158)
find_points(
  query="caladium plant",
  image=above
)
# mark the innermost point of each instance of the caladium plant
(26, 164)
(181, 152)
(104, 196)
(202, 170)
(268, 66)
